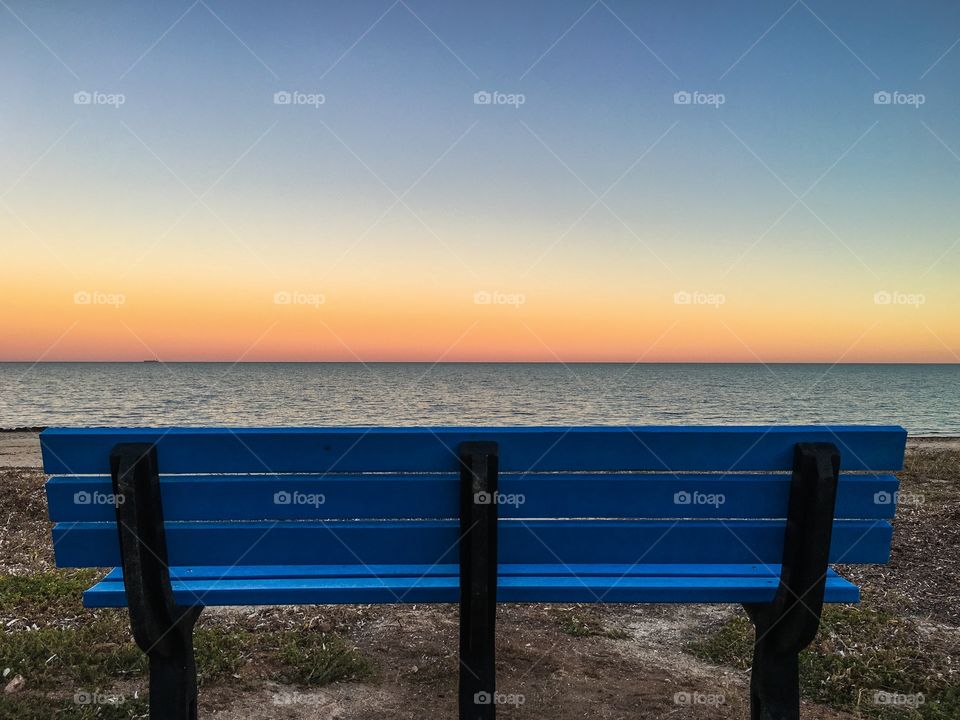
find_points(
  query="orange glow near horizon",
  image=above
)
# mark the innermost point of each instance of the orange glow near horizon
(213, 323)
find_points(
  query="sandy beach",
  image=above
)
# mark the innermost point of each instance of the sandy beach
(20, 449)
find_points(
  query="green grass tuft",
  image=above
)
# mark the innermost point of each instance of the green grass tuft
(314, 658)
(221, 653)
(858, 652)
(581, 625)
(45, 595)
(40, 707)
(94, 655)
(92, 651)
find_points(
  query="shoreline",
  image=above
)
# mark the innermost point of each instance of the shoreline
(37, 429)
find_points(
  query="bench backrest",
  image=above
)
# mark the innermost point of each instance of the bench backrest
(383, 496)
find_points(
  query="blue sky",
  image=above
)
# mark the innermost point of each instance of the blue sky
(704, 194)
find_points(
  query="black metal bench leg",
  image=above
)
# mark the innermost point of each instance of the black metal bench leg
(790, 623)
(161, 628)
(478, 580)
(173, 673)
(775, 681)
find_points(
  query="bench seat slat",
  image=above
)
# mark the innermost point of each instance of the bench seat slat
(80, 451)
(588, 495)
(435, 541)
(264, 572)
(445, 589)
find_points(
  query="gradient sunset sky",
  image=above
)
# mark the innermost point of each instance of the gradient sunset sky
(803, 206)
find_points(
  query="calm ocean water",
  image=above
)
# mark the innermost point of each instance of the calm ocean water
(923, 398)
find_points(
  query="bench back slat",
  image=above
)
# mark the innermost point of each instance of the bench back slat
(390, 496)
(522, 449)
(435, 541)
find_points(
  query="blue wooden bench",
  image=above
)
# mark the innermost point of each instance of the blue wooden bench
(190, 517)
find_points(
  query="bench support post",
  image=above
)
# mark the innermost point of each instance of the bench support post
(478, 579)
(161, 628)
(790, 623)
